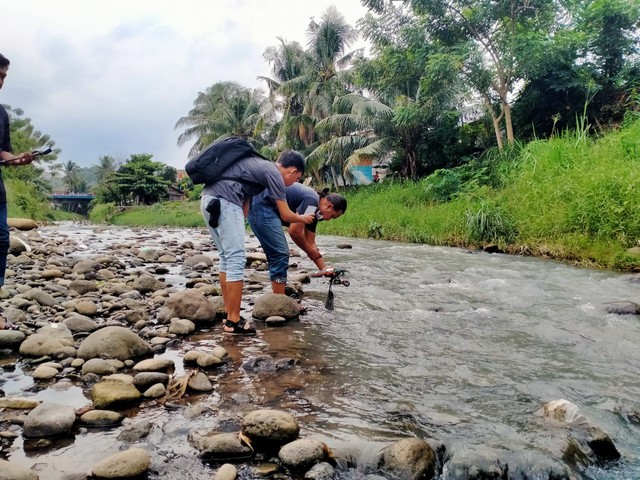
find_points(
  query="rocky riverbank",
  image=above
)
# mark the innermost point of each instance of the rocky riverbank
(100, 314)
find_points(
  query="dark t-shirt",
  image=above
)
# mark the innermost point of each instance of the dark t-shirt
(5, 146)
(261, 175)
(299, 197)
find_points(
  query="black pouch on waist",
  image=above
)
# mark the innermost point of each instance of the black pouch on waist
(214, 212)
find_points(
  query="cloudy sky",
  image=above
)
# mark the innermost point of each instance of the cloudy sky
(112, 78)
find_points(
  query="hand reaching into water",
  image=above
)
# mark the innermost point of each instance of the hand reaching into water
(325, 272)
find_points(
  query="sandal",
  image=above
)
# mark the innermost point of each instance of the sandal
(240, 327)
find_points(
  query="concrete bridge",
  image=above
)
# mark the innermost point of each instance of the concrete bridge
(72, 202)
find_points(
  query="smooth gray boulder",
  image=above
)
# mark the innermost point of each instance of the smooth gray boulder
(113, 342)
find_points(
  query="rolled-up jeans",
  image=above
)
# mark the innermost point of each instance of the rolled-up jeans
(265, 223)
(228, 237)
(4, 241)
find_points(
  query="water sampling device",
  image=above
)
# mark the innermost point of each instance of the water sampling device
(335, 278)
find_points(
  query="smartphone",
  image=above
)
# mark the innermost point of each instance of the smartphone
(310, 209)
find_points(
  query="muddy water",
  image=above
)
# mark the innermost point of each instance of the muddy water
(426, 341)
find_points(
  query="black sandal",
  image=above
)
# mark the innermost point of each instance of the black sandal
(239, 327)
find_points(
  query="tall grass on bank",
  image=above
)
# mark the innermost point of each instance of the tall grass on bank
(568, 198)
(175, 214)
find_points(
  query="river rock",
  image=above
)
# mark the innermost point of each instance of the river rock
(18, 403)
(586, 443)
(47, 341)
(22, 223)
(259, 363)
(321, 471)
(14, 315)
(80, 323)
(275, 321)
(113, 394)
(135, 431)
(49, 420)
(44, 372)
(147, 283)
(128, 464)
(194, 260)
(144, 380)
(99, 366)
(200, 383)
(17, 245)
(270, 429)
(300, 455)
(38, 295)
(623, 308)
(188, 304)
(85, 266)
(113, 342)
(154, 365)
(86, 307)
(14, 471)
(52, 273)
(101, 418)
(155, 391)
(409, 458)
(83, 286)
(220, 447)
(226, 472)
(11, 339)
(274, 305)
(180, 326)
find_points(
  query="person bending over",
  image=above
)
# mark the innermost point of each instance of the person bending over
(266, 223)
(7, 159)
(224, 206)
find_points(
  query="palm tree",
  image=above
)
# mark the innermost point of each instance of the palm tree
(225, 108)
(107, 166)
(321, 76)
(357, 132)
(72, 177)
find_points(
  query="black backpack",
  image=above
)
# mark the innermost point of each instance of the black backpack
(208, 166)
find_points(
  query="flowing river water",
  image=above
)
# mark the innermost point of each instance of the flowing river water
(433, 342)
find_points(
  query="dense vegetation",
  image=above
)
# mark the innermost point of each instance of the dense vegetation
(570, 198)
(500, 123)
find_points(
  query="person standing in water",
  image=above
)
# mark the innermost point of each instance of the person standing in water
(224, 205)
(267, 224)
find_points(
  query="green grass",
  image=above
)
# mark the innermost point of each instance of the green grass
(569, 198)
(176, 214)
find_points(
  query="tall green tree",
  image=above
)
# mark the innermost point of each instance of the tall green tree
(107, 166)
(139, 181)
(486, 41)
(24, 138)
(408, 74)
(72, 177)
(225, 108)
(313, 79)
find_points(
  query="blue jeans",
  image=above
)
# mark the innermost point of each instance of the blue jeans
(265, 223)
(228, 237)
(4, 241)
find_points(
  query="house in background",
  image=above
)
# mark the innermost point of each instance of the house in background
(175, 193)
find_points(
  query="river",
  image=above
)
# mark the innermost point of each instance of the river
(458, 346)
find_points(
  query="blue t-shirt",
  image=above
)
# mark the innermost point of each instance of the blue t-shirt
(260, 175)
(5, 146)
(299, 197)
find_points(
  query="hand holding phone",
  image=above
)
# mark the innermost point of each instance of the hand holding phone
(310, 209)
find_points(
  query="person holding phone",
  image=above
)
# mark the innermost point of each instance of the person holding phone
(267, 225)
(7, 159)
(224, 205)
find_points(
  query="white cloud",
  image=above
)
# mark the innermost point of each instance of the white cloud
(114, 77)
